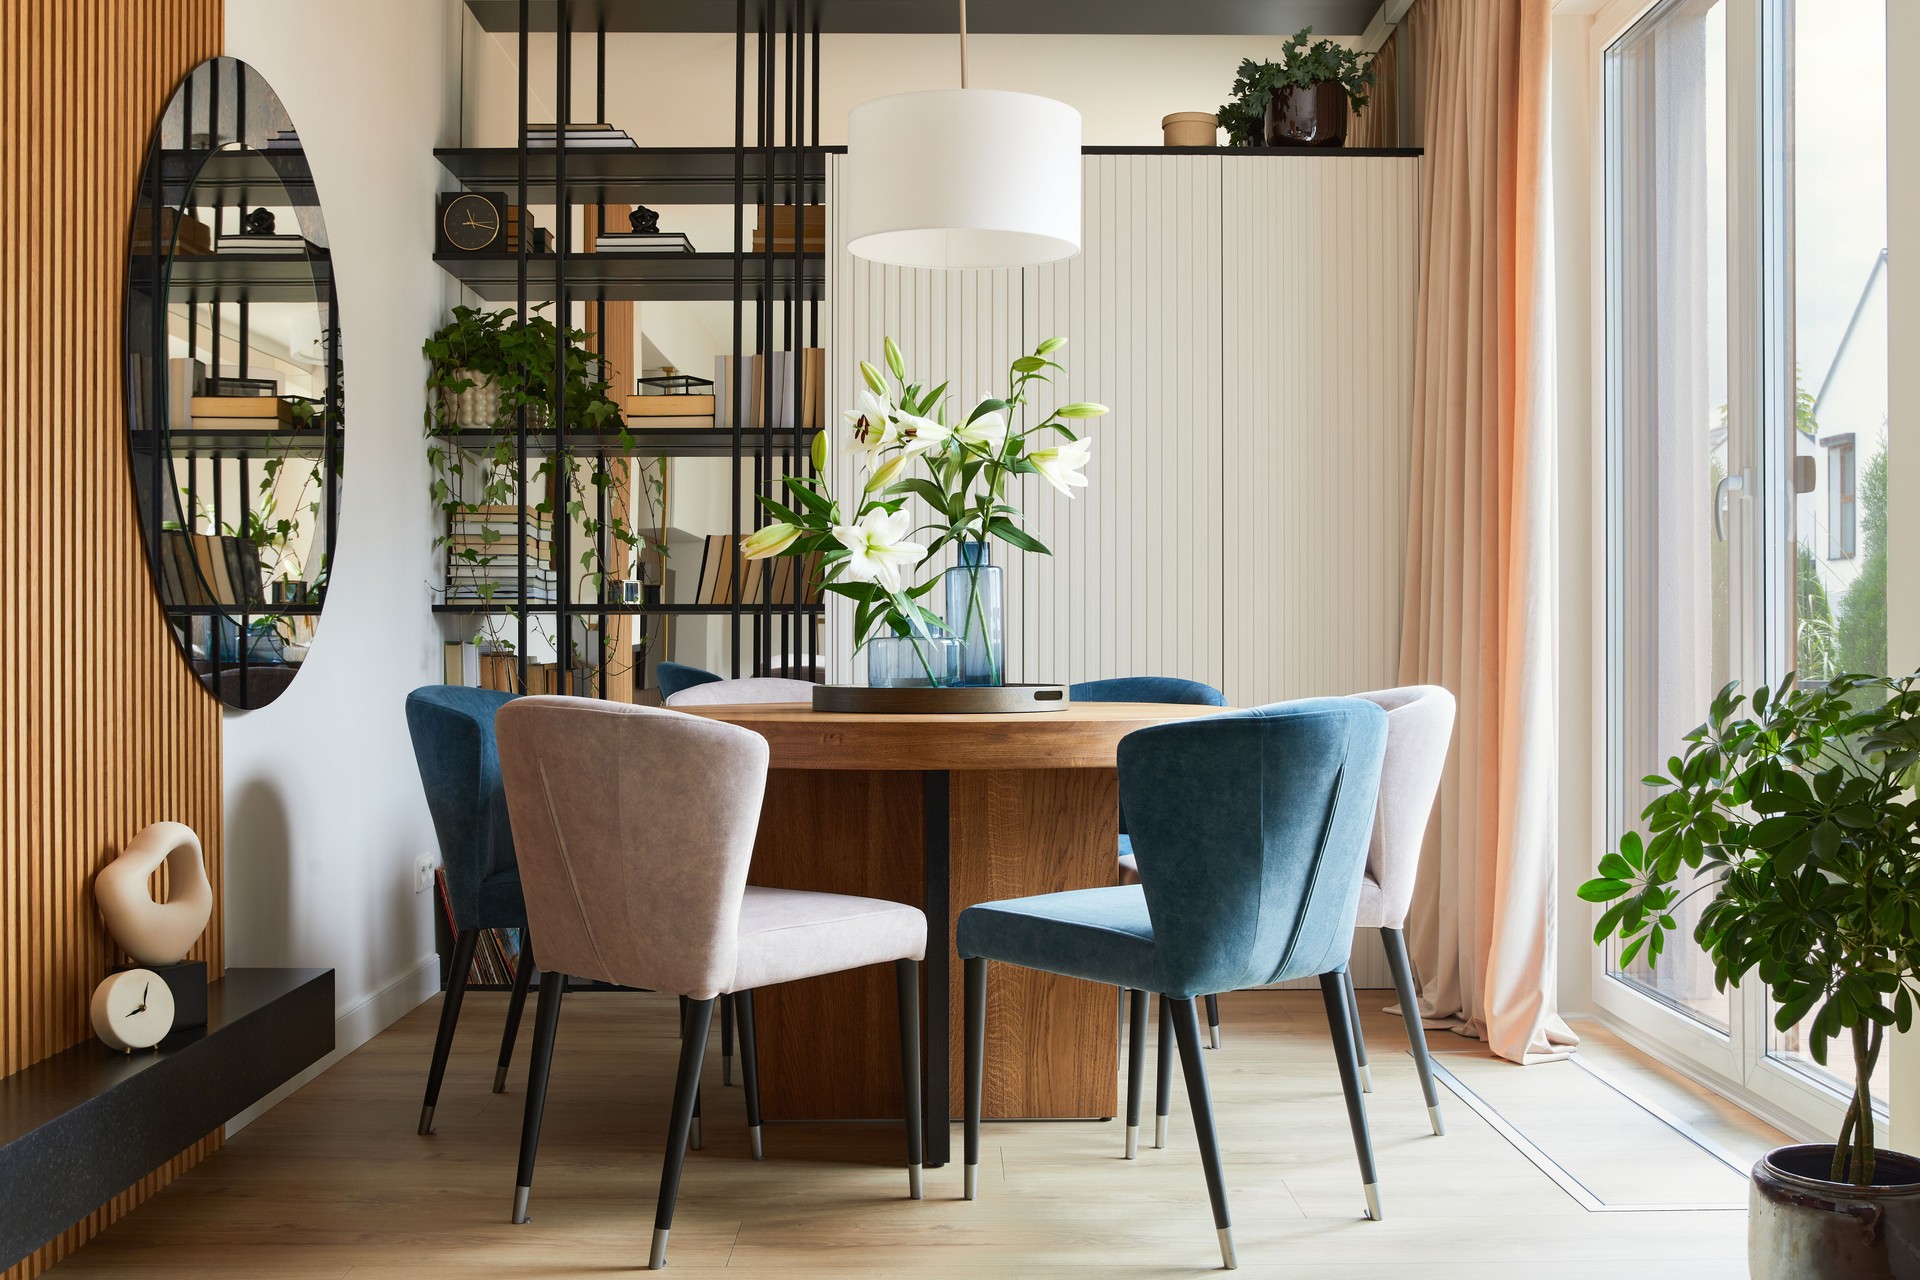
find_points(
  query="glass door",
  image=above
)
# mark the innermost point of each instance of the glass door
(1745, 367)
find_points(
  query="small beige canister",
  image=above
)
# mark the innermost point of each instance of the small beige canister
(1190, 129)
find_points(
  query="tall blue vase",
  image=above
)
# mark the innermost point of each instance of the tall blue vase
(976, 615)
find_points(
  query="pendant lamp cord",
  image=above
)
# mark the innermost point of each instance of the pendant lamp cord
(963, 44)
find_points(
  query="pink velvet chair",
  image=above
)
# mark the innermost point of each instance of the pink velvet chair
(634, 828)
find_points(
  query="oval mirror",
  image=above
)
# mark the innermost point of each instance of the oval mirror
(234, 383)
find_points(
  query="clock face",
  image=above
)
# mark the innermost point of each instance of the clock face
(471, 222)
(133, 1010)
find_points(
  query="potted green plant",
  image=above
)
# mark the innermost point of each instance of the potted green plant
(1796, 817)
(1300, 101)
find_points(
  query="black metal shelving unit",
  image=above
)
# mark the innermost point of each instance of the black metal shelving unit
(775, 160)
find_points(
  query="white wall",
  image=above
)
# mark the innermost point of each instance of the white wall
(324, 813)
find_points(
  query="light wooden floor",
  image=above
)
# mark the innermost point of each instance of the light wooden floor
(334, 1182)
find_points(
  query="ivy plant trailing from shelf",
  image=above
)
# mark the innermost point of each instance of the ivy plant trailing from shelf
(866, 548)
(519, 362)
(1302, 65)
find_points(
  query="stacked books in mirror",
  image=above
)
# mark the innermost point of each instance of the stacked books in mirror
(581, 136)
(777, 581)
(483, 556)
(267, 246)
(283, 140)
(200, 569)
(750, 393)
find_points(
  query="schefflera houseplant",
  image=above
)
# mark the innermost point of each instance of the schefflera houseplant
(962, 471)
(1794, 815)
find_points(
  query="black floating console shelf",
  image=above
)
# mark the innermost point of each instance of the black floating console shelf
(84, 1125)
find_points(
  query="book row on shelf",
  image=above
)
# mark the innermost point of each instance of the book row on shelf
(466, 663)
(749, 401)
(777, 581)
(211, 569)
(496, 956)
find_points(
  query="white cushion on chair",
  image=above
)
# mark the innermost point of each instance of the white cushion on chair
(787, 934)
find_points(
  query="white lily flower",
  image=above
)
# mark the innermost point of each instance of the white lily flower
(769, 541)
(879, 547)
(988, 431)
(921, 434)
(1061, 465)
(872, 423)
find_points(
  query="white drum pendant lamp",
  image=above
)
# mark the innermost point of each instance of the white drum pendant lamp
(960, 178)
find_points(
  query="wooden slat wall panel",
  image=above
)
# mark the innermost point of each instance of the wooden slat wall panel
(103, 729)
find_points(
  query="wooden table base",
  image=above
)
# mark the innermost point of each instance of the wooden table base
(828, 1046)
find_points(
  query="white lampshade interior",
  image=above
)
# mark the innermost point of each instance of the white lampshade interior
(960, 178)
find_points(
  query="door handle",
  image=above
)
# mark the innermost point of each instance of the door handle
(1728, 484)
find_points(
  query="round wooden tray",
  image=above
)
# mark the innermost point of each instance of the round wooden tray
(965, 700)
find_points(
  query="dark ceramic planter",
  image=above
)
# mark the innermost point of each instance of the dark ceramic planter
(1803, 1227)
(1315, 116)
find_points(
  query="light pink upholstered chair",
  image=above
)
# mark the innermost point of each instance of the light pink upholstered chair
(1419, 731)
(634, 828)
(735, 693)
(730, 693)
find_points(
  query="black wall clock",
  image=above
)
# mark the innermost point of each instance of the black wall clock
(472, 222)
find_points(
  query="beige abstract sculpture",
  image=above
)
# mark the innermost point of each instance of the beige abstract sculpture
(156, 933)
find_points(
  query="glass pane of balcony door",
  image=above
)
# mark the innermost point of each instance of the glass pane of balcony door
(1676, 525)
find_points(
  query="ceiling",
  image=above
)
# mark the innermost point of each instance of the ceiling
(1013, 17)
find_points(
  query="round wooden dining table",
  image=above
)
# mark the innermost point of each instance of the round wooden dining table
(942, 811)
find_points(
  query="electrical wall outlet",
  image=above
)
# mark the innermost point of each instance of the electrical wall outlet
(423, 872)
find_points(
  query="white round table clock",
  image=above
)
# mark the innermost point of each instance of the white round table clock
(133, 1010)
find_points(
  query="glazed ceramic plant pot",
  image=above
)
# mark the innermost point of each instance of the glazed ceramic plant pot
(1803, 1227)
(1309, 116)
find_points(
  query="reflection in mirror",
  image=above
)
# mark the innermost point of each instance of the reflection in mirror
(234, 383)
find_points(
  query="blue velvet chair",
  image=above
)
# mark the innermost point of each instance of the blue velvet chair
(1253, 828)
(452, 730)
(675, 676)
(1154, 689)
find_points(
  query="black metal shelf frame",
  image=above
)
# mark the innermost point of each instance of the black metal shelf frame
(783, 165)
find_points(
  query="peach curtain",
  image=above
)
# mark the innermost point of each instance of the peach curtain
(1480, 594)
(1378, 123)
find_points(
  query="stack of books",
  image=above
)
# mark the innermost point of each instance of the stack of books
(241, 413)
(262, 246)
(211, 569)
(749, 399)
(634, 242)
(484, 553)
(580, 137)
(283, 140)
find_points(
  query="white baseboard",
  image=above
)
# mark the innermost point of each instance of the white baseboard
(354, 1028)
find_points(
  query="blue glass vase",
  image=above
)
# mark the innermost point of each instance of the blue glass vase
(919, 661)
(976, 615)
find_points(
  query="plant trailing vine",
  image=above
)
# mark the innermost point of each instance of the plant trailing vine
(1303, 64)
(472, 469)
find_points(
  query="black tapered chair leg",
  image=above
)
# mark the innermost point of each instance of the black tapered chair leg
(686, 1013)
(522, 975)
(1396, 944)
(726, 1040)
(906, 975)
(1186, 1030)
(1213, 1022)
(741, 1004)
(1163, 1077)
(975, 997)
(1136, 1068)
(1333, 989)
(546, 1025)
(449, 1018)
(1359, 1037)
(686, 1090)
